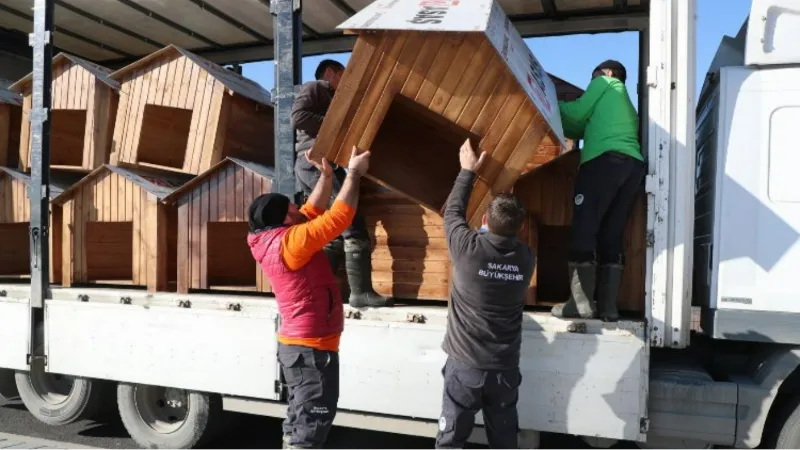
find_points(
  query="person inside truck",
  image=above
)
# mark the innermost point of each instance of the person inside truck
(309, 109)
(492, 271)
(288, 243)
(610, 172)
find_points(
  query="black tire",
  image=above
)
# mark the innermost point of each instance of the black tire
(58, 399)
(145, 412)
(8, 387)
(784, 429)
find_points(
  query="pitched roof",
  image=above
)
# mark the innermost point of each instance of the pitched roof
(160, 184)
(232, 80)
(99, 72)
(59, 181)
(259, 169)
(11, 98)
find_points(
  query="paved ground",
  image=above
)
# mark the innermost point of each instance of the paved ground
(247, 432)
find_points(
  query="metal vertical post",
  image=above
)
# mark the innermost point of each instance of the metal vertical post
(39, 192)
(288, 69)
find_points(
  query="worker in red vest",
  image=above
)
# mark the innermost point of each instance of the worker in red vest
(288, 243)
(309, 109)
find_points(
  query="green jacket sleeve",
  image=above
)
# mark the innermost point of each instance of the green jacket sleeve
(572, 129)
(580, 109)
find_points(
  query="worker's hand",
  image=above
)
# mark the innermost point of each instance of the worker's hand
(468, 159)
(359, 163)
(324, 168)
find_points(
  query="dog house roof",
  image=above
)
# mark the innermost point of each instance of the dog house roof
(10, 98)
(231, 80)
(59, 181)
(480, 16)
(99, 72)
(160, 184)
(258, 169)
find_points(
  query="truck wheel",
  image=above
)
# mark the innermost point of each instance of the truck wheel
(158, 417)
(784, 431)
(8, 387)
(57, 399)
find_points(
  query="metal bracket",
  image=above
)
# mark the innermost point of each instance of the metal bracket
(30, 358)
(651, 184)
(644, 425)
(38, 114)
(45, 38)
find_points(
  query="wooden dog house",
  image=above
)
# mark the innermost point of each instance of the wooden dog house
(410, 259)
(15, 217)
(181, 112)
(212, 227)
(415, 88)
(116, 230)
(10, 123)
(82, 113)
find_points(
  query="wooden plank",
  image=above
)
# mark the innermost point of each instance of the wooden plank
(136, 247)
(5, 133)
(195, 85)
(427, 56)
(197, 252)
(194, 163)
(474, 82)
(187, 78)
(68, 243)
(161, 83)
(205, 197)
(469, 50)
(159, 230)
(184, 249)
(444, 59)
(25, 135)
(120, 122)
(216, 127)
(172, 83)
(230, 194)
(349, 93)
(139, 98)
(499, 97)
(410, 266)
(399, 252)
(396, 79)
(93, 119)
(372, 94)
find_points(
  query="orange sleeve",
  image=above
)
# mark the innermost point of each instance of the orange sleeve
(310, 211)
(302, 241)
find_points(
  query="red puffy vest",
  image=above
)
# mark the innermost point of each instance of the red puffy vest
(309, 299)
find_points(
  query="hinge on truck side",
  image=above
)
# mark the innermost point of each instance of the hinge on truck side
(650, 238)
(644, 425)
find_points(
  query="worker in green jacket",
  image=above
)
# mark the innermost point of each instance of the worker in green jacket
(611, 171)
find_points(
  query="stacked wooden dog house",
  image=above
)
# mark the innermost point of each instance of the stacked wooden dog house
(15, 217)
(212, 227)
(82, 112)
(183, 113)
(116, 229)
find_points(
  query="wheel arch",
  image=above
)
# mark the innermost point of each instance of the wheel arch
(772, 377)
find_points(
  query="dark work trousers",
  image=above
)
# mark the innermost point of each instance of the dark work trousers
(307, 176)
(313, 380)
(605, 190)
(468, 390)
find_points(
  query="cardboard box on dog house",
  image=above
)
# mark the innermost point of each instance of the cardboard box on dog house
(423, 77)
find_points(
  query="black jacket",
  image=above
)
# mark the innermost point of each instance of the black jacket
(308, 110)
(491, 276)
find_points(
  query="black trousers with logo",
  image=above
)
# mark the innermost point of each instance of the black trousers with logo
(605, 190)
(313, 380)
(467, 391)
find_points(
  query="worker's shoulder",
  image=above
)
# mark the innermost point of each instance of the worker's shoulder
(315, 85)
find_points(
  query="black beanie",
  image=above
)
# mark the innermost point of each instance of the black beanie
(267, 211)
(614, 66)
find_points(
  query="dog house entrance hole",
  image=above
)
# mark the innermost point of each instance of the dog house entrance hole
(67, 131)
(164, 136)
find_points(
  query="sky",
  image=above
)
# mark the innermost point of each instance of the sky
(573, 57)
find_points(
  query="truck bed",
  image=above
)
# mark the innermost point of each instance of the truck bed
(391, 359)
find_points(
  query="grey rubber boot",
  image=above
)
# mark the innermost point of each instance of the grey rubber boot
(334, 250)
(581, 301)
(609, 279)
(358, 264)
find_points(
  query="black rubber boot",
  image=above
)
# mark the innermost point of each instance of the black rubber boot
(358, 263)
(609, 279)
(334, 250)
(581, 301)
